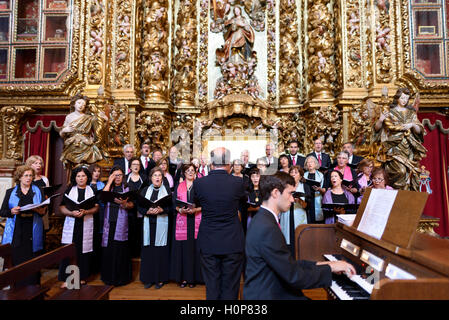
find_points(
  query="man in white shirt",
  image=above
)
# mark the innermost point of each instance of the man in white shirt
(270, 159)
(146, 163)
(204, 169)
(324, 159)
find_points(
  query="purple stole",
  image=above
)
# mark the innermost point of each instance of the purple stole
(121, 230)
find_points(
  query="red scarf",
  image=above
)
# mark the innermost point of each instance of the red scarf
(181, 219)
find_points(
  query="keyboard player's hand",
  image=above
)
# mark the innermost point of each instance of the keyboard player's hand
(340, 266)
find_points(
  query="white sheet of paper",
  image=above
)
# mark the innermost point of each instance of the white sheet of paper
(378, 208)
(32, 206)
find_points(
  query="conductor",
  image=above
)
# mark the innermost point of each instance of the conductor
(220, 235)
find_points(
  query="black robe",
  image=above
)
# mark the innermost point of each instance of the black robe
(22, 242)
(116, 266)
(86, 260)
(155, 261)
(185, 254)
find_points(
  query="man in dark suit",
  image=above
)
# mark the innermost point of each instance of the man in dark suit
(146, 163)
(324, 160)
(123, 163)
(220, 236)
(271, 271)
(294, 158)
(353, 159)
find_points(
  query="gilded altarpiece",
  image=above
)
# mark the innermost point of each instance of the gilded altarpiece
(169, 71)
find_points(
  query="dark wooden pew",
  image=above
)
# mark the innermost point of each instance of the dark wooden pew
(21, 271)
(6, 255)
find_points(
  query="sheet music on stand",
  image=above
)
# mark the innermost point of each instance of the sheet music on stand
(377, 211)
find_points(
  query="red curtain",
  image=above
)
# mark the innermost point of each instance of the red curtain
(436, 142)
(37, 136)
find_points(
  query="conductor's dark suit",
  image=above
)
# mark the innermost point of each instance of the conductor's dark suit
(220, 236)
(271, 271)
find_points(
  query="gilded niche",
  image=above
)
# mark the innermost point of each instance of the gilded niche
(13, 117)
(153, 126)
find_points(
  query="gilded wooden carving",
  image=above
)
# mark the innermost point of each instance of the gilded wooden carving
(13, 117)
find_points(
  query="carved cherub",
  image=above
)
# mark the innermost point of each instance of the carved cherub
(354, 23)
(321, 62)
(96, 42)
(382, 37)
(125, 25)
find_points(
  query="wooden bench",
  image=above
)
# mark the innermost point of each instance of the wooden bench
(6, 256)
(21, 271)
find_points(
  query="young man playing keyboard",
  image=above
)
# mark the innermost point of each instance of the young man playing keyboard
(271, 271)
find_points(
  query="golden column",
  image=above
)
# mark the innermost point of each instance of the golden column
(289, 79)
(321, 49)
(155, 54)
(185, 60)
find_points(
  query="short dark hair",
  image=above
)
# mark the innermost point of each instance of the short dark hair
(145, 143)
(134, 159)
(339, 174)
(253, 170)
(78, 170)
(279, 181)
(294, 141)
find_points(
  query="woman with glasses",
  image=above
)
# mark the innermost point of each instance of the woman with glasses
(380, 179)
(185, 261)
(135, 182)
(155, 254)
(24, 230)
(116, 258)
(164, 165)
(364, 169)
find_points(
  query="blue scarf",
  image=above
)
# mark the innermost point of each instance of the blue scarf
(38, 226)
(161, 221)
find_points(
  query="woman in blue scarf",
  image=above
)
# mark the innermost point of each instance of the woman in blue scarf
(155, 256)
(24, 230)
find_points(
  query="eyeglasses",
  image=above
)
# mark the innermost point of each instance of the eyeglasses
(378, 179)
(119, 175)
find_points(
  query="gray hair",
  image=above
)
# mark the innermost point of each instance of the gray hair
(126, 146)
(220, 157)
(317, 164)
(343, 153)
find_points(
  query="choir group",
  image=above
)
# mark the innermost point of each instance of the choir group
(146, 208)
